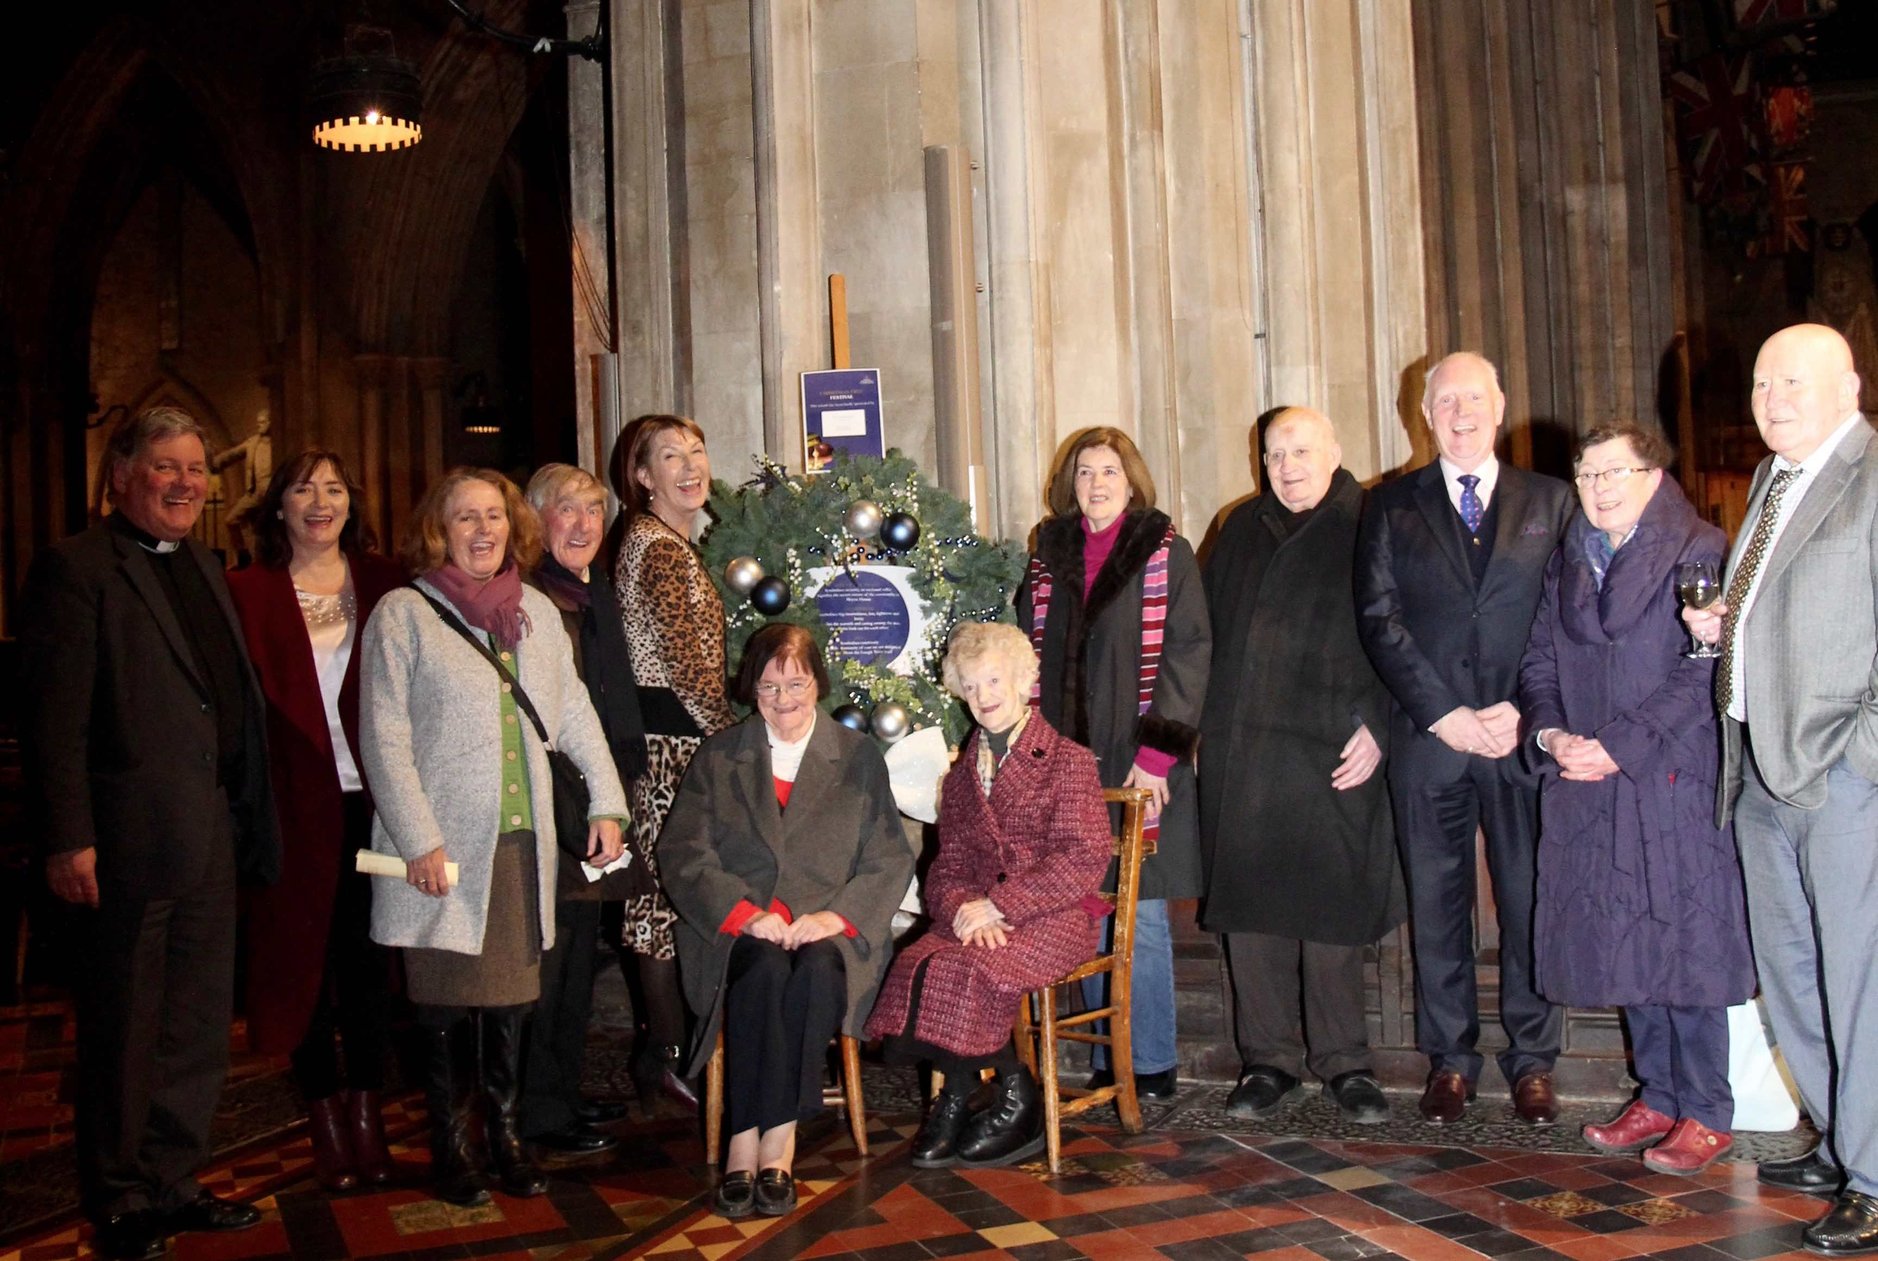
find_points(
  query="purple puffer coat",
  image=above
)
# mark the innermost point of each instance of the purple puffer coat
(1640, 899)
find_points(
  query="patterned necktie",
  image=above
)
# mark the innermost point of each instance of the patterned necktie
(1743, 580)
(1472, 510)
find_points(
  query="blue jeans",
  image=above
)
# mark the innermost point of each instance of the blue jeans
(1152, 1028)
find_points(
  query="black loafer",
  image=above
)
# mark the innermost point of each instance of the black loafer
(1849, 1230)
(599, 1111)
(1158, 1087)
(775, 1192)
(736, 1195)
(1811, 1172)
(211, 1212)
(578, 1139)
(135, 1236)
(1262, 1091)
(1359, 1097)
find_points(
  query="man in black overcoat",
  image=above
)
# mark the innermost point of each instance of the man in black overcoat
(1450, 565)
(146, 773)
(1301, 867)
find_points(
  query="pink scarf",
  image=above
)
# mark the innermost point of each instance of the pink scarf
(494, 606)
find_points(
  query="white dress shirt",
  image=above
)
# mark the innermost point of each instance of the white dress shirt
(1796, 490)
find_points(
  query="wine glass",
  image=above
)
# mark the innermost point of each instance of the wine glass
(1699, 586)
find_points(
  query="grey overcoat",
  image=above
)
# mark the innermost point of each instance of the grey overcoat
(430, 736)
(838, 847)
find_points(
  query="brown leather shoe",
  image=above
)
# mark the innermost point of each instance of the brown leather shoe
(1634, 1129)
(1533, 1099)
(1446, 1099)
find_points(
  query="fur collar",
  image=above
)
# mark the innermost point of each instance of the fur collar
(1060, 548)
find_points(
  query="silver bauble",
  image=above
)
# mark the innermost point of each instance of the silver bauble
(742, 573)
(863, 519)
(891, 721)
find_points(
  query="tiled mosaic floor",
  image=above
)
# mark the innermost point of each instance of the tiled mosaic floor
(1182, 1190)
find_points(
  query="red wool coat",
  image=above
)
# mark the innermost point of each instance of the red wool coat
(287, 923)
(1037, 848)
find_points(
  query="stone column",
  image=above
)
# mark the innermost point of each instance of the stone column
(373, 373)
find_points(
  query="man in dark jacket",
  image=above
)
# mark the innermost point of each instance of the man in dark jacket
(1450, 563)
(146, 770)
(1301, 868)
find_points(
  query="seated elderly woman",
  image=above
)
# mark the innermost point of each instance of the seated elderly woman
(1023, 845)
(784, 858)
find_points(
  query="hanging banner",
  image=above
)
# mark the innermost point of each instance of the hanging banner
(841, 413)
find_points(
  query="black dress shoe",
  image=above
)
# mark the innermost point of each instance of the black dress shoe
(1262, 1091)
(775, 1192)
(936, 1146)
(736, 1195)
(1010, 1129)
(1158, 1087)
(577, 1139)
(1359, 1097)
(1811, 1172)
(1849, 1230)
(211, 1212)
(599, 1111)
(135, 1236)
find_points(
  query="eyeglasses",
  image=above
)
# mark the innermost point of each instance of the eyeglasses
(796, 689)
(1607, 477)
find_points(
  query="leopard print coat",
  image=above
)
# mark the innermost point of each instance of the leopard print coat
(674, 621)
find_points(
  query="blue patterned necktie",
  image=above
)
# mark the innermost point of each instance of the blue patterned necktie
(1471, 508)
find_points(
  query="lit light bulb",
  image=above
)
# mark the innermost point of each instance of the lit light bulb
(371, 116)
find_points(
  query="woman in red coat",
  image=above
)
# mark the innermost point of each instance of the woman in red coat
(1023, 846)
(314, 977)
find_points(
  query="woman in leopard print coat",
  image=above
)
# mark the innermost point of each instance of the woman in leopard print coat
(675, 631)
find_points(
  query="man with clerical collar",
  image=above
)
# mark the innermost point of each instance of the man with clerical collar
(1450, 566)
(1300, 863)
(1797, 689)
(146, 774)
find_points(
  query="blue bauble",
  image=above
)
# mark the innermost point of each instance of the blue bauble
(770, 596)
(851, 717)
(900, 532)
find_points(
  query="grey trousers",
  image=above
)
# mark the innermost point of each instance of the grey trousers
(1812, 878)
(1277, 979)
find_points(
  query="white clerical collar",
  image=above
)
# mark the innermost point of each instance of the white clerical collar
(161, 547)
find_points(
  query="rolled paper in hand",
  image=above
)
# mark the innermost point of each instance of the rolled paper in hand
(373, 863)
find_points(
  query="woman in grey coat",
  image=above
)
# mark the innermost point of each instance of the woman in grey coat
(459, 775)
(784, 857)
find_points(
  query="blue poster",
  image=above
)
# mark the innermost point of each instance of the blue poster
(840, 413)
(873, 613)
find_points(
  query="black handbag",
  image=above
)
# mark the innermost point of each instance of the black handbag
(570, 794)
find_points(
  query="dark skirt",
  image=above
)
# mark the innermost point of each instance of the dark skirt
(508, 971)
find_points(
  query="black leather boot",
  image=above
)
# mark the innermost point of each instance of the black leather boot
(503, 1032)
(937, 1143)
(1011, 1128)
(456, 1173)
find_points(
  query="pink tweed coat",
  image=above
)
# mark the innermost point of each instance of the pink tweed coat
(1037, 848)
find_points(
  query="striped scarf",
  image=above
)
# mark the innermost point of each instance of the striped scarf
(1153, 629)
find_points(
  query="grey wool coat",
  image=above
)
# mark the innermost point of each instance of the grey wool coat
(430, 737)
(838, 847)
(1090, 674)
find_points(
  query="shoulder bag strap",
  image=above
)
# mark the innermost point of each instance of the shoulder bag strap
(515, 686)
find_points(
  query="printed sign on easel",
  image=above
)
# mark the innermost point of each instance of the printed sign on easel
(840, 413)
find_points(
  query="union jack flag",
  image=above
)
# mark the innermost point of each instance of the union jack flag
(1790, 223)
(1716, 101)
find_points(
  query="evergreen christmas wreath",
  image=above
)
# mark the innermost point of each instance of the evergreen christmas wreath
(771, 531)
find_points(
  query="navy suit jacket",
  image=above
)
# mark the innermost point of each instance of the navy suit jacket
(1437, 638)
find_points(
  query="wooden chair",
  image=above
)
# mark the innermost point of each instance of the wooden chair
(1040, 1028)
(844, 1094)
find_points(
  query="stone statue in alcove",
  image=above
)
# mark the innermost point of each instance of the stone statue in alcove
(257, 452)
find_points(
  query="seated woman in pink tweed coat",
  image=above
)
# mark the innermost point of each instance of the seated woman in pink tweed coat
(1023, 846)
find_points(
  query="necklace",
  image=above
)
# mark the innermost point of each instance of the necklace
(327, 610)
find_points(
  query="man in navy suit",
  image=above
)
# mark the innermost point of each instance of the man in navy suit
(1450, 562)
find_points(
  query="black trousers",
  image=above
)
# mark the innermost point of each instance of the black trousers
(155, 993)
(354, 1005)
(557, 1037)
(780, 1009)
(1435, 826)
(1276, 978)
